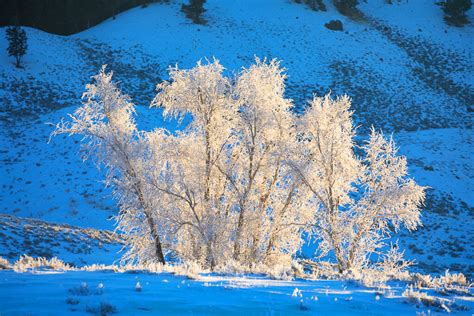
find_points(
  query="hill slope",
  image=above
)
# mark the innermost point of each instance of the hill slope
(406, 70)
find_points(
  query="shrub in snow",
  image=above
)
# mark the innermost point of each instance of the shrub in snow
(81, 290)
(299, 295)
(103, 309)
(346, 7)
(17, 44)
(4, 264)
(422, 280)
(190, 269)
(100, 267)
(451, 279)
(455, 11)
(72, 301)
(25, 263)
(417, 297)
(335, 25)
(392, 265)
(246, 178)
(278, 271)
(317, 5)
(138, 287)
(296, 293)
(100, 289)
(446, 284)
(321, 269)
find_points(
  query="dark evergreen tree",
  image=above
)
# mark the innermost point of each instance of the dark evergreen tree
(346, 7)
(455, 11)
(17, 44)
(194, 10)
(316, 5)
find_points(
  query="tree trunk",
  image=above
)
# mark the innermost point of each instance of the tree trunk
(210, 256)
(151, 224)
(240, 224)
(156, 238)
(270, 245)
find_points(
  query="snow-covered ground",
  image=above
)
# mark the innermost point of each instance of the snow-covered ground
(407, 72)
(83, 293)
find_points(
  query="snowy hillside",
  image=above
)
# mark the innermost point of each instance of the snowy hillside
(406, 70)
(76, 246)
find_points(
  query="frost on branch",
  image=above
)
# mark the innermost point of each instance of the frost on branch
(224, 180)
(246, 179)
(109, 132)
(360, 200)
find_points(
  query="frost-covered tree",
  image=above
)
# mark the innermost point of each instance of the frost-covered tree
(227, 171)
(192, 190)
(269, 195)
(17, 44)
(245, 179)
(361, 199)
(110, 135)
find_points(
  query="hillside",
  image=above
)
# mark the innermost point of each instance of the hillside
(406, 70)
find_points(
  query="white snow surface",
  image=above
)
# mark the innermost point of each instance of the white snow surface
(82, 293)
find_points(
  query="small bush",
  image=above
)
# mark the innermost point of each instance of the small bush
(335, 25)
(26, 263)
(439, 303)
(346, 7)
(455, 279)
(419, 297)
(455, 283)
(82, 290)
(72, 301)
(455, 11)
(316, 5)
(4, 264)
(103, 309)
(422, 281)
(100, 267)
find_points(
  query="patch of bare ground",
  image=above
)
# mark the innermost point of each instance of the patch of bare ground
(37, 238)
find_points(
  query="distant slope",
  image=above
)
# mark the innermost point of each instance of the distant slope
(62, 17)
(75, 246)
(406, 70)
